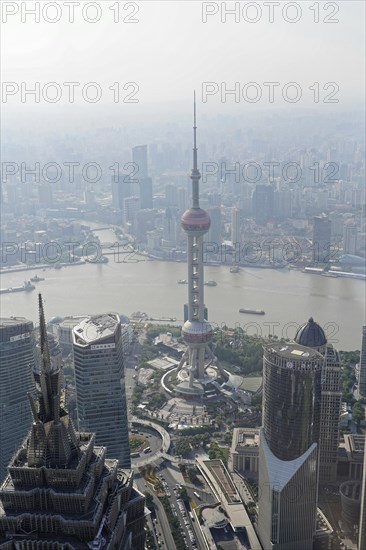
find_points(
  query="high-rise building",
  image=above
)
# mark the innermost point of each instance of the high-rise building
(139, 158)
(321, 239)
(100, 383)
(312, 335)
(262, 203)
(362, 523)
(145, 222)
(169, 234)
(131, 205)
(146, 193)
(121, 189)
(330, 417)
(182, 199)
(17, 359)
(61, 492)
(288, 450)
(171, 195)
(337, 227)
(235, 226)
(214, 233)
(45, 195)
(350, 237)
(362, 365)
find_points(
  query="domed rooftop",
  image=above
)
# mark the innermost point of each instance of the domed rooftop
(55, 320)
(311, 335)
(196, 219)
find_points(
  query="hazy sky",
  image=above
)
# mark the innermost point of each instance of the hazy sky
(170, 51)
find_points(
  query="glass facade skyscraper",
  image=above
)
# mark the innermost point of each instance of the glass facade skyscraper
(17, 359)
(288, 450)
(100, 383)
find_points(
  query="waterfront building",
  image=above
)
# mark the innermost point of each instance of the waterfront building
(214, 233)
(61, 493)
(131, 205)
(235, 226)
(121, 189)
(350, 237)
(288, 447)
(321, 239)
(146, 193)
(139, 159)
(169, 229)
(100, 383)
(262, 203)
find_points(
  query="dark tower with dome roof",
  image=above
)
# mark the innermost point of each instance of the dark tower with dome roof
(312, 335)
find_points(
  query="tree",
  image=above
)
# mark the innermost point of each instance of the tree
(183, 494)
(192, 474)
(182, 447)
(149, 500)
(357, 413)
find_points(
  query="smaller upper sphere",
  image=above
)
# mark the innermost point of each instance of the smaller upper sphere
(311, 335)
(195, 219)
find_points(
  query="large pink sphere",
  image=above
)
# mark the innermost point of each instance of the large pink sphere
(196, 219)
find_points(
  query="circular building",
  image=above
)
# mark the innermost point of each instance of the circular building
(291, 398)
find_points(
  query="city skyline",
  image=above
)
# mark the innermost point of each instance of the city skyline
(200, 381)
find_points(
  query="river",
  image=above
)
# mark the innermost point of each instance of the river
(289, 298)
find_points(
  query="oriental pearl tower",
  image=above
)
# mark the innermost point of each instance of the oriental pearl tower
(193, 370)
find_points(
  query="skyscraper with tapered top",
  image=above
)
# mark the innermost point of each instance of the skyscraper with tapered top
(61, 493)
(288, 450)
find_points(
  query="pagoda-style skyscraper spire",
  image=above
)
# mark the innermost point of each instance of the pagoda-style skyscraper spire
(61, 492)
(53, 440)
(196, 331)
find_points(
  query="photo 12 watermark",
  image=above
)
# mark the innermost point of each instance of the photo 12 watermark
(288, 172)
(270, 12)
(270, 92)
(69, 92)
(68, 171)
(71, 12)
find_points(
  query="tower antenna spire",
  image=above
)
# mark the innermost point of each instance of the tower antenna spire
(45, 353)
(195, 174)
(194, 133)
